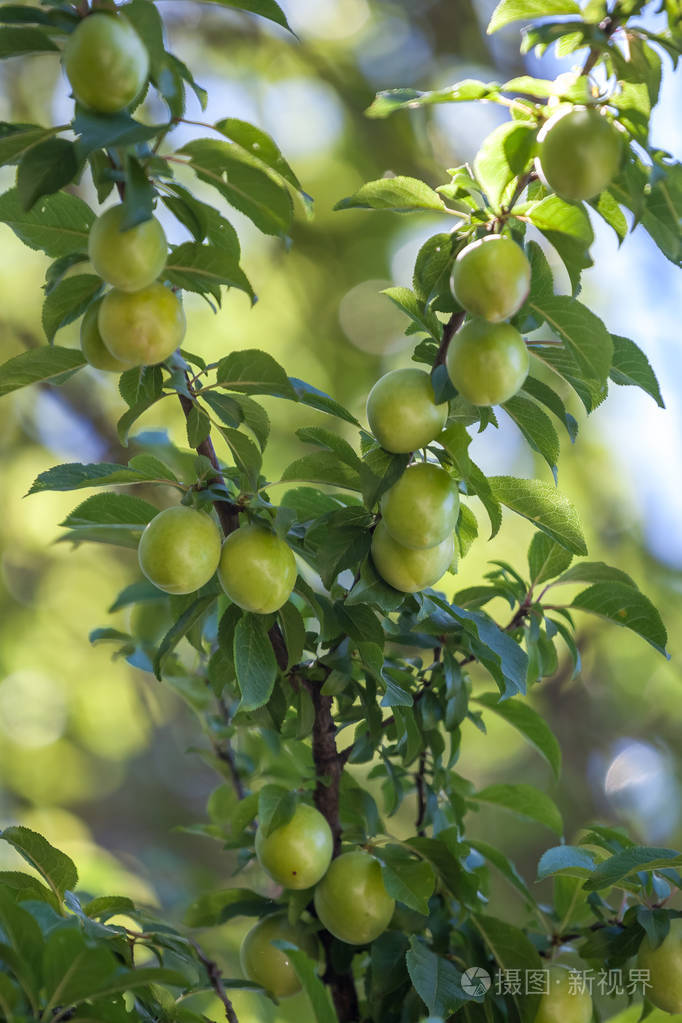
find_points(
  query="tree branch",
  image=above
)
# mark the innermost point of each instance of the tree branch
(421, 794)
(216, 981)
(449, 330)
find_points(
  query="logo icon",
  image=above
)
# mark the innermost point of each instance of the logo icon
(475, 982)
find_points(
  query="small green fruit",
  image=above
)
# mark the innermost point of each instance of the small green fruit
(561, 1004)
(144, 327)
(106, 63)
(487, 362)
(402, 411)
(665, 969)
(179, 550)
(298, 853)
(129, 260)
(351, 900)
(491, 278)
(580, 153)
(269, 966)
(421, 509)
(95, 351)
(257, 569)
(406, 569)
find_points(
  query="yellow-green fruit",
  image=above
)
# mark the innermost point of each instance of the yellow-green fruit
(298, 853)
(580, 153)
(351, 900)
(142, 327)
(269, 966)
(491, 278)
(106, 63)
(257, 569)
(131, 259)
(407, 569)
(92, 346)
(402, 411)
(421, 509)
(487, 362)
(564, 1003)
(179, 549)
(665, 969)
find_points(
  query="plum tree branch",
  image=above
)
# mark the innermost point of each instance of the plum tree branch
(449, 331)
(216, 982)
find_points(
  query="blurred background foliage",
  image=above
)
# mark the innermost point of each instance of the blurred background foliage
(94, 753)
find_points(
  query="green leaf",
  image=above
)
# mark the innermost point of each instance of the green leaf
(54, 866)
(249, 189)
(503, 156)
(262, 148)
(583, 333)
(17, 139)
(44, 169)
(276, 807)
(631, 367)
(525, 801)
(76, 475)
(317, 992)
(215, 908)
(565, 859)
(627, 607)
(495, 649)
(504, 865)
(58, 225)
(456, 441)
(16, 41)
(546, 559)
(266, 8)
(108, 905)
(567, 227)
(508, 11)
(548, 397)
(246, 454)
(111, 509)
(309, 395)
(198, 426)
(529, 723)
(512, 950)
(205, 269)
(322, 467)
(73, 972)
(181, 627)
(437, 982)
(387, 102)
(102, 131)
(424, 318)
(609, 210)
(631, 861)
(548, 510)
(254, 661)
(254, 372)
(22, 942)
(403, 195)
(406, 879)
(69, 300)
(536, 427)
(433, 261)
(38, 365)
(138, 201)
(596, 572)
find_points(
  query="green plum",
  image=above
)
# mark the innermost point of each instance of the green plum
(665, 969)
(144, 327)
(421, 509)
(487, 362)
(351, 900)
(179, 549)
(106, 63)
(406, 569)
(269, 966)
(95, 351)
(580, 153)
(402, 411)
(491, 278)
(562, 1004)
(257, 569)
(298, 853)
(129, 260)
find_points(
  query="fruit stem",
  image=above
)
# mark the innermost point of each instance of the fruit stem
(449, 331)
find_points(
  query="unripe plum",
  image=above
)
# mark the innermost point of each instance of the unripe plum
(179, 549)
(144, 327)
(491, 278)
(106, 63)
(257, 569)
(487, 362)
(129, 260)
(406, 569)
(351, 900)
(298, 853)
(269, 966)
(402, 411)
(562, 1004)
(665, 969)
(421, 509)
(95, 351)
(580, 153)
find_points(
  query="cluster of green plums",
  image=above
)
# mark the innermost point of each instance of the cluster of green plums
(349, 897)
(181, 549)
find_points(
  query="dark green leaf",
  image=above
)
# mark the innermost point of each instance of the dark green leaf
(548, 510)
(254, 372)
(536, 427)
(627, 607)
(546, 559)
(529, 723)
(567, 227)
(76, 476)
(436, 980)
(526, 801)
(205, 269)
(53, 866)
(111, 509)
(68, 300)
(255, 662)
(565, 859)
(101, 131)
(631, 861)
(508, 11)
(183, 625)
(45, 168)
(386, 103)
(276, 807)
(38, 365)
(512, 950)
(503, 156)
(218, 907)
(406, 879)
(59, 224)
(632, 368)
(422, 317)
(505, 866)
(266, 8)
(404, 195)
(317, 992)
(16, 41)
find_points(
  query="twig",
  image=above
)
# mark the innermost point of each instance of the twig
(449, 331)
(216, 981)
(421, 794)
